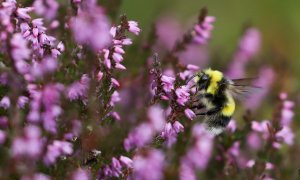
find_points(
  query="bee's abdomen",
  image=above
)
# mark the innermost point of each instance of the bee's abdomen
(217, 124)
(229, 107)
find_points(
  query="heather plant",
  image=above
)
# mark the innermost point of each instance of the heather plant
(82, 96)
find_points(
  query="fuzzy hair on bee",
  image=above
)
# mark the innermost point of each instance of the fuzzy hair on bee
(215, 98)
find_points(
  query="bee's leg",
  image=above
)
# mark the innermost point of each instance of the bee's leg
(210, 112)
(198, 106)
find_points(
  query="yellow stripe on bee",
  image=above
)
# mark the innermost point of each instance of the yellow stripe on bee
(229, 107)
(215, 77)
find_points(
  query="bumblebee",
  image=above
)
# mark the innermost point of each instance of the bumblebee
(215, 95)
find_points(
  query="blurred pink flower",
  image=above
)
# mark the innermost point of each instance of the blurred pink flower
(248, 47)
(5, 102)
(79, 89)
(46, 8)
(168, 30)
(139, 136)
(286, 135)
(198, 156)
(91, 27)
(202, 31)
(193, 54)
(149, 166)
(81, 174)
(30, 144)
(157, 117)
(254, 141)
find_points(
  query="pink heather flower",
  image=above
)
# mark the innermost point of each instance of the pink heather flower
(170, 132)
(250, 163)
(168, 83)
(188, 56)
(22, 101)
(115, 82)
(126, 161)
(113, 31)
(115, 168)
(139, 136)
(2, 136)
(107, 63)
(5, 102)
(232, 126)
(126, 41)
(283, 95)
(254, 141)
(117, 57)
(186, 171)
(157, 117)
(120, 66)
(99, 76)
(20, 53)
(250, 42)
(234, 150)
(248, 47)
(79, 89)
(116, 115)
(118, 49)
(57, 149)
(189, 114)
(23, 13)
(91, 27)
(81, 174)
(133, 27)
(28, 145)
(287, 113)
(202, 31)
(192, 67)
(149, 166)
(168, 30)
(261, 127)
(286, 135)
(115, 97)
(178, 127)
(269, 166)
(46, 8)
(60, 46)
(198, 156)
(183, 95)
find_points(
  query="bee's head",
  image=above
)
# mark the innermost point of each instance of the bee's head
(204, 78)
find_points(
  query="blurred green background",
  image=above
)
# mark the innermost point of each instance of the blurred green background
(277, 20)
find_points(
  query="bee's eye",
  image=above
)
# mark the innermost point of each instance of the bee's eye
(204, 77)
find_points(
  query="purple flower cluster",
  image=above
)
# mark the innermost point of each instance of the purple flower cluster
(152, 161)
(198, 156)
(248, 47)
(91, 26)
(115, 169)
(144, 133)
(202, 30)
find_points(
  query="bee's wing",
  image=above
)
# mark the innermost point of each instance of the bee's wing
(243, 88)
